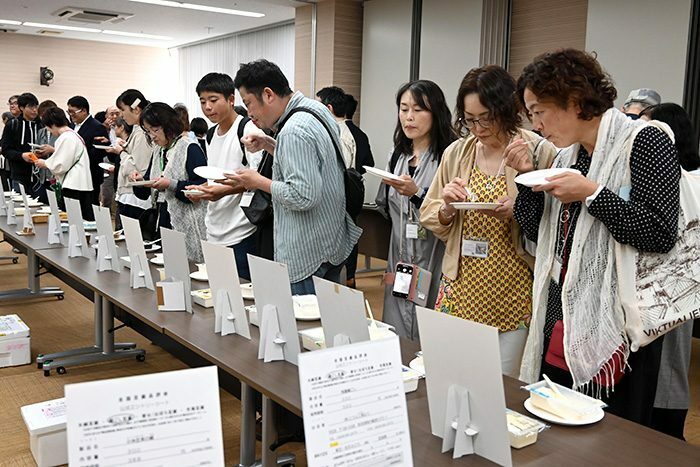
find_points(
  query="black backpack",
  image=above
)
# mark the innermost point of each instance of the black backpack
(354, 186)
(241, 128)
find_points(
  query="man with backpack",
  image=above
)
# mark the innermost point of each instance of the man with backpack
(313, 230)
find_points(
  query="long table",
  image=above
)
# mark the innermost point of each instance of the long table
(613, 441)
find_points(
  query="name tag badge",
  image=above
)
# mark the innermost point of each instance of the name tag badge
(624, 192)
(475, 248)
(412, 230)
(246, 198)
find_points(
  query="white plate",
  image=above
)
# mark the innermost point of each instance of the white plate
(211, 173)
(418, 365)
(538, 177)
(100, 146)
(595, 416)
(119, 238)
(472, 206)
(306, 308)
(151, 248)
(11, 194)
(158, 260)
(89, 226)
(199, 276)
(139, 183)
(192, 192)
(381, 173)
(34, 146)
(44, 210)
(105, 165)
(247, 291)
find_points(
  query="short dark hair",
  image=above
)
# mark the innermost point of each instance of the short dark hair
(122, 123)
(160, 114)
(260, 74)
(198, 126)
(79, 102)
(129, 96)
(336, 98)
(27, 99)
(54, 116)
(350, 106)
(496, 90)
(678, 119)
(45, 105)
(15, 96)
(240, 110)
(100, 116)
(568, 74)
(430, 97)
(219, 83)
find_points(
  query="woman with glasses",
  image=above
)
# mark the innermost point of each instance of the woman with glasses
(486, 272)
(172, 169)
(422, 133)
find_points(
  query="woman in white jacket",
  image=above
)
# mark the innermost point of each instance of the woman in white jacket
(69, 162)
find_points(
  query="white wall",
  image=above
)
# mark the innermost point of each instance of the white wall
(386, 50)
(450, 43)
(642, 44)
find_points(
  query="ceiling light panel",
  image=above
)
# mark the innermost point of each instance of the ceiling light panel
(10, 21)
(62, 27)
(137, 34)
(199, 7)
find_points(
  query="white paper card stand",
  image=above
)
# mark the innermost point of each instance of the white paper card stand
(176, 264)
(139, 270)
(170, 418)
(273, 295)
(107, 252)
(354, 405)
(28, 223)
(77, 243)
(11, 215)
(229, 308)
(342, 313)
(55, 231)
(3, 203)
(465, 395)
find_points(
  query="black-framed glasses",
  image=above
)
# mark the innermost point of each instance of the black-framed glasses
(484, 122)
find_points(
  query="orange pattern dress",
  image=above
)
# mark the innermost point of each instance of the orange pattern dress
(496, 290)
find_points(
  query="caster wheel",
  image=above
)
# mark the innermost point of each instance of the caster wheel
(47, 372)
(61, 370)
(15, 260)
(141, 358)
(40, 365)
(60, 297)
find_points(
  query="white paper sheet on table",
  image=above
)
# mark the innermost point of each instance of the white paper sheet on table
(170, 418)
(354, 405)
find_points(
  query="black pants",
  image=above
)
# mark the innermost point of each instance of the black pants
(127, 210)
(85, 199)
(5, 177)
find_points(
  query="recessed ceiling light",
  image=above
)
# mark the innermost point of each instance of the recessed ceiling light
(55, 26)
(137, 34)
(10, 21)
(195, 6)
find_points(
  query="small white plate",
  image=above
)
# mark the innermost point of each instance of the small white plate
(158, 260)
(539, 177)
(595, 416)
(199, 276)
(44, 210)
(140, 183)
(211, 173)
(100, 146)
(247, 291)
(418, 365)
(306, 308)
(381, 173)
(192, 192)
(473, 206)
(119, 238)
(105, 165)
(11, 194)
(151, 248)
(34, 146)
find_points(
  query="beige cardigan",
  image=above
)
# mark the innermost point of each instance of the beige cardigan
(457, 161)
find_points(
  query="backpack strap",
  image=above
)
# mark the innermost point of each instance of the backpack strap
(338, 154)
(241, 129)
(392, 166)
(210, 133)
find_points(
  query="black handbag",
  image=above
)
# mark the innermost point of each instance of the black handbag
(260, 209)
(149, 220)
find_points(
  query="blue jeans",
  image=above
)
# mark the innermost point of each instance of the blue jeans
(326, 271)
(240, 251)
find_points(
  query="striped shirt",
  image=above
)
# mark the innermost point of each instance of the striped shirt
(311, 225)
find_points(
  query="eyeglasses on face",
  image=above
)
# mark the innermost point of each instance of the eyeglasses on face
(484, 122)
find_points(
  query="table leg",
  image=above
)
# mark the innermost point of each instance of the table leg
(247, 425)
(33, 289)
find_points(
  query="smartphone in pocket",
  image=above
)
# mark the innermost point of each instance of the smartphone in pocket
(402, 280)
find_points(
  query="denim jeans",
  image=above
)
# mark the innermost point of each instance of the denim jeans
(326, 271)
(240, 251)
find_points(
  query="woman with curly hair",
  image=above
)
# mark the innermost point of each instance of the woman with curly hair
(486, 272)
(624, 190)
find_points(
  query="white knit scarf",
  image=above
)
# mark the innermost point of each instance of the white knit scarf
(592, 312)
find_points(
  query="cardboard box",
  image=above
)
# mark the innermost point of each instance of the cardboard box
(15, 348)
(46, 422)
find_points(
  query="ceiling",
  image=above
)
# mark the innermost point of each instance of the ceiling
(179, 25)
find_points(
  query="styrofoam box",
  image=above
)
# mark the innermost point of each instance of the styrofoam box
(15, 347)
(46, 422)
(313, 338)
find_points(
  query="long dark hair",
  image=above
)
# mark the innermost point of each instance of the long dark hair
(430, 97)
(677, 118)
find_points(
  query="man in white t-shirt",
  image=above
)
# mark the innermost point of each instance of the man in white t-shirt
(225, 221)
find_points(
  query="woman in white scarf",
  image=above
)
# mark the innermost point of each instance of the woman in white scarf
(627, 191)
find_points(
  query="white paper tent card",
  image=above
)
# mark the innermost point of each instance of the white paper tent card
(107, 252)
(11, 215)
(354, 405)
(170, 418)
(273, 296)
(77, 243)
(465, 395)
(3, 204)
(140, 272)
(176, 265)
(55, 231)
(229, 308)
(342, 313)
(28, 223)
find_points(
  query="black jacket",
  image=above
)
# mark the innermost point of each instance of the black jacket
(90, 129)
(363, 155)
(16, 136)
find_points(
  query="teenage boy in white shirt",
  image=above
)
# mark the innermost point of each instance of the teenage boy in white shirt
(225, 221)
